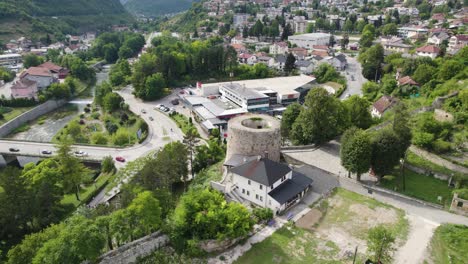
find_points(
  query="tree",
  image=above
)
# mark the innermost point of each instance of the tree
(74, 173)
(121, 137)
(424, 73)
(289, 117)
(207, 155)
(112, 102)
(449, 69)
(74, 130)
(287, 31)
(58, 91)
(390, 29)
(155, 85)
(110, 53)
(372, 60)
(101, 91)
(289, 65)
(386, 152)
(344, 41)
(366, 40)
(80, 240)
(32, 60)
(99, 139)
(370, 90)
(348, 26)
(358, 111)
(322, 119)
(310, 28)
(108, 164)
(380, 244)
(146, 212)
(401, 127)
(355, 152)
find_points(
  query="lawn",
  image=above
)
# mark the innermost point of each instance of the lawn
(419, 186)
(203, 178)
(420, 162)
(15, 111)
(449, 244)
(88, 190)
(347, 217)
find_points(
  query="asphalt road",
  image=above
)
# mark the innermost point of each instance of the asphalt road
(354, 78)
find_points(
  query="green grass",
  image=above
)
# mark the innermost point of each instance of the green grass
(449, 244)
(419, 186)
(85, 192)
(423, 163)
(16, 111)
(22, 128)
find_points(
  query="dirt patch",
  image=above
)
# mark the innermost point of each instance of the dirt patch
(374, 217)
(309, 220)
(343, 239)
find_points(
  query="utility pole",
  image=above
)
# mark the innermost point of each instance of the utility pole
(355, 254)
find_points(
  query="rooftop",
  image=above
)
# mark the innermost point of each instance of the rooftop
(290, 188)
(243, 91)
(310, 36)
(263, 171)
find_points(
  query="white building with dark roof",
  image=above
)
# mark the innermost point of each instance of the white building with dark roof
(269, 184)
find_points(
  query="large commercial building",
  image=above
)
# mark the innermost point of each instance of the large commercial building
(10, 59)
(244, 97)
(308, 40)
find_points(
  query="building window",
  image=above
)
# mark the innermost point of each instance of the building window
(256, 196)
(248, 182)
(271, 187)
(243, 190)
(261, 198)
(248, 193)
(261, 187)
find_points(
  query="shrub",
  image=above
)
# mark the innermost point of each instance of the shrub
(82, 115)
(111, 127)
(131, 121)
(121, 137)
(441, 146)
(87, 110)
(1, 116)
(107, 165)
(95, 115)
(263, 214)
(99, 139)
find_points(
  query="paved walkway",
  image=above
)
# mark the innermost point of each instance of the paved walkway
(438, 160)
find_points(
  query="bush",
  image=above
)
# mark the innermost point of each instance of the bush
(122, 137)
(95, 115)
(441, 146)
(82, 115)
(263, 214)
(99, 139)
(108, 164)
(111, 127)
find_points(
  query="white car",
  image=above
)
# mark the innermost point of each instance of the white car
(80, 153)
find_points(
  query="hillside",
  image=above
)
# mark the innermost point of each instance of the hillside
(36, 18)
(154, 8)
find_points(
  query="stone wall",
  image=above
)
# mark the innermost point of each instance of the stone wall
(428, 173)
(130, 252)
(459, 205)
(217, 246)
(30, 115)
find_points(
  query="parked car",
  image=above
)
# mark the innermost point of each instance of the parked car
(175, 102)
(120, 159)
(151, 118)
(46, 152)
(80, 153)
(14, 149)
(143, 111)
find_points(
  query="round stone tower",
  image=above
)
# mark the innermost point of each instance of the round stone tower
(253, 135)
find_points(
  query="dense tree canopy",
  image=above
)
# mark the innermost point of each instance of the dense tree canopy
(356, 151)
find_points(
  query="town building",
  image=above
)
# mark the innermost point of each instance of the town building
(42, 76)
(382, 105)
(437, 38)
(408, 32)
(299, 24)
(457, 41)
(396, 45)
(430, 51)
(10, 59)
(24, 88)
(279, 48)
(308, 40)
(58, 72)
(246, 98)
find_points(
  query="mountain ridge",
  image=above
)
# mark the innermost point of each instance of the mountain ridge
(154, 8)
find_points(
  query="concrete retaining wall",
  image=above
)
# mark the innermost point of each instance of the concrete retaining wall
(130, 252)
(428, 173)
(30, 115)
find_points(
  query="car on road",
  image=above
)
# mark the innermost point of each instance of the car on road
(80, 153)
(151, 118)
(143, 111)
(120, 159)
(175, 101)
(46, 152)
(14, 149)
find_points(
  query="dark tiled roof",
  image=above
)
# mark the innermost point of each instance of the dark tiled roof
(281, 58)
(302, 63)
(290, 188)
(263, 171)
(341, 57)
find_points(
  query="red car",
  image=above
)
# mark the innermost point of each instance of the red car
(120, 159)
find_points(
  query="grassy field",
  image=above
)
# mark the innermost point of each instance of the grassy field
(419, 186)
(88, 190)
(450, 244)
(16, 111)
(347, 217)
(183, 123)
(203, 178)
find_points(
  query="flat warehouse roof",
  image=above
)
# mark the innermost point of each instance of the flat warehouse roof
(281, 85)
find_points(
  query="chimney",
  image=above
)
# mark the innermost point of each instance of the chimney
(265, 154)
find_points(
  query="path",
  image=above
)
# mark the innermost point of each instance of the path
(438, 160)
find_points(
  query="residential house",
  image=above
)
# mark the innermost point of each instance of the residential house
(237, 40)
(339, 62)
(58, 72)
(304, 66)
(299, 24)
(408, 32)
(240, 48)
(268, 61)
(269, 184)
(41, 75)
(437, 38)
(430, 51)
(280, 62)
(240, 20)
(382, 105)
(439, 17)
(247, 58)
(299, 53)
(279, 48)
(396, 45)
(407, 81)
(24, 88)
(458, 41)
